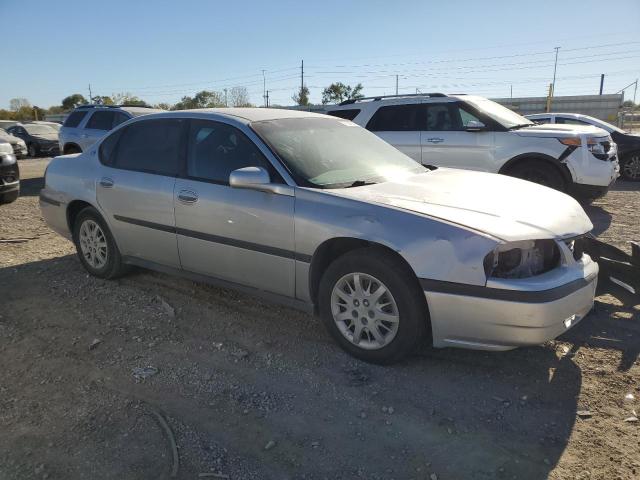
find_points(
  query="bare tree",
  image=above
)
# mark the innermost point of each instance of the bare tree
(16, 104)
(239, 97)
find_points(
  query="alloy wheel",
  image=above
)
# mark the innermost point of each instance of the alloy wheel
(365, 311)
(631, 167)
(93, 244)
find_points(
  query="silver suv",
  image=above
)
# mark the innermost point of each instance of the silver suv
(474, 133)
(89, 123)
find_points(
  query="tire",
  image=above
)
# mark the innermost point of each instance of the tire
(32, 150)
(375, 268)
(99, 255)
(630, 167)
(9, 197)
(540, 172)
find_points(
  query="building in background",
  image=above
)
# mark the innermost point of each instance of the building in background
(604, 107)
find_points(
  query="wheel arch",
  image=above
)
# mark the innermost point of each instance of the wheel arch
(69, 146)
(73, 209)
(333, 248)
(548, 159)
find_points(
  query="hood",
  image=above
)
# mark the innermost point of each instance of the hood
(504, 207)
(46, 136)
(561, 130)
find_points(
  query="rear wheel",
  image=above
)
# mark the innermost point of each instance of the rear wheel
(630, 167)
(372, 306)
(95, 245)
(9, 197)
(540, 172)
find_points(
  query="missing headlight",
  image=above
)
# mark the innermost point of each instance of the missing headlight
(522, 259)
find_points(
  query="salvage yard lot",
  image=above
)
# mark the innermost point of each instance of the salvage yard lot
(251, 390)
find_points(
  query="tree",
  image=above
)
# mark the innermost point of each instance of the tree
(163, 106)
(102, 100)
(127, 98)
(72, 101)
(239, 97)
(339, 92)
(302, 97)
(16, 104)
(203, 99)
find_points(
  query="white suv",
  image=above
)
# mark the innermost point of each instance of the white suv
(465, 131)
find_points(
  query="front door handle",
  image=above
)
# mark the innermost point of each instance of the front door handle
(435, 140)
(187, 196)
(106, 182)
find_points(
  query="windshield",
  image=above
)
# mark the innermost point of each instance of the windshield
(505, 117)
(39, 129)
(328, 153)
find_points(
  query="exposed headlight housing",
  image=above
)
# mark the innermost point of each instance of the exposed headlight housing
(522, 259)
(593, 145)
(5, 147)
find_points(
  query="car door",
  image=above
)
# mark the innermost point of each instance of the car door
(135, 184)
(97, 126)
(398, 125)
(447, 142)
(238, 235)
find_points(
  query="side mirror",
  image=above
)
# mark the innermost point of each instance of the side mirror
(249, 177)
(474, 126)
(257, 178)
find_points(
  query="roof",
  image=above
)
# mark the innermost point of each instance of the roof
(255, 114)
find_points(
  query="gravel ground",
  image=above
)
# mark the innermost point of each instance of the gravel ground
(255, 391)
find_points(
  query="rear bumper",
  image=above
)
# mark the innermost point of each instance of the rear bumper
(502, 319)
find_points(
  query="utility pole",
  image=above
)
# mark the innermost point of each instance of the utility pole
(226, 104)
(635, 90)
(512, 93)
(553, 87)
(90, 96)
(601, 83)
(301, 76)
(267, 98)
(396, 84)
(548, 106)
(264, 88)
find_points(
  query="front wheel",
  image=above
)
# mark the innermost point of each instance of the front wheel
(372, 305)
(9, 197)
(539, 172)
(630, 167)
(32, 150)
(95, 245)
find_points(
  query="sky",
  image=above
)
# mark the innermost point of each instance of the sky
(163, 50)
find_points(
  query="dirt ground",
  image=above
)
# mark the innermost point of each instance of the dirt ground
(255, 391)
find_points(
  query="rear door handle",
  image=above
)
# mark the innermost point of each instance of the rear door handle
(187, 196)
(106, 182)
(435, 140)
(84, 135)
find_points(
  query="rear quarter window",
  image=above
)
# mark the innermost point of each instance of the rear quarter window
(395, 118)
(347, 114)
(74, 119)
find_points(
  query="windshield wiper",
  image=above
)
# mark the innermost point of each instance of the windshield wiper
(360, 183)
(521, 125)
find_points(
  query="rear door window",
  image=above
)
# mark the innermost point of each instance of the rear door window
(74, 119)
(101, 120)
(570, 121)
(396, 118)
(152, 146)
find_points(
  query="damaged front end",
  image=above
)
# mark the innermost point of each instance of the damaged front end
(615, 265)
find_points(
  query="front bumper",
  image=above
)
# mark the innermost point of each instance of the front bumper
(9, 173)
(505, 318)
(19, 150)
(52, 149)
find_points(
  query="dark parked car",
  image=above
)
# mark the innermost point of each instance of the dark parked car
(40, 139)
(9, 174)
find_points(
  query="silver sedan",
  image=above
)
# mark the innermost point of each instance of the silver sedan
(318, 213)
